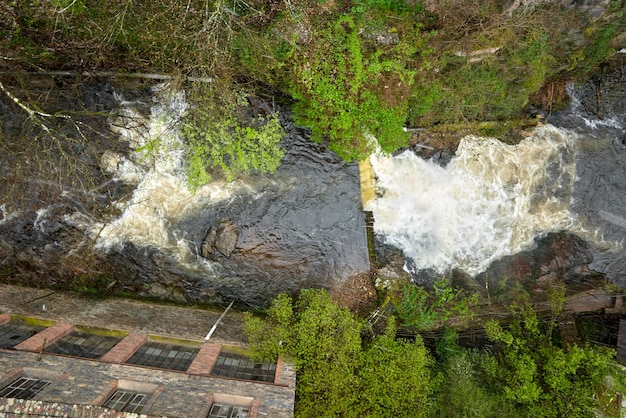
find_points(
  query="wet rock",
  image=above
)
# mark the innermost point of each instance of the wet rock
(206, 248)
(595, 9)
(381, 36)
(460, 279)
(159, 291)
(391, 260)
(222, 239)
(442, 158)
(6, 249)
(557, 257)
(227, 237)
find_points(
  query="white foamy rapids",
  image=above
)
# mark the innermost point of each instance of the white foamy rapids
(6, 216)
(489, 202)
(577, 108)
(161, 197)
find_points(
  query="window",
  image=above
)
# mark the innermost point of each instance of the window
(164, 356)
(83, 344)
(129, 396)
(224, 405)
(241, 367)
(23, 388)
(127, 401)
(16, 331)
(228, 411)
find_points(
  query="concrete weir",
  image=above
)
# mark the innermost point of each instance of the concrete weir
(368, 193)
(366, 174)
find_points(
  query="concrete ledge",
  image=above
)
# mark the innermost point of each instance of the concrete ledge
(205, 359)
(124, 349)
(366, 176)
(46, 337)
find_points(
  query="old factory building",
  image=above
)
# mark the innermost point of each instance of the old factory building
(52, 366)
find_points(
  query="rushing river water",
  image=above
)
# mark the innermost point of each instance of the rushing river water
(494, 200)
(491, 200)
(299, 227)
(303, 226)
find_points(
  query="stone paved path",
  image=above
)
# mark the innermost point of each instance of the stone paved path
(122, 314)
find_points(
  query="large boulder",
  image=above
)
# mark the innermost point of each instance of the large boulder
(559, 256)
(222, 239)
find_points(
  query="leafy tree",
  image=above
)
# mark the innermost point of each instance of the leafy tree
(220, 135)
(425, 310)
(526, 374)
(327, 348)
(542, 378)
(323, 340)
(339, 374)
(395, 377)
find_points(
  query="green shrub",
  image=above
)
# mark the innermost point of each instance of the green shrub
(217, 136)
(347, 88)
(425, 310)
(381, 377)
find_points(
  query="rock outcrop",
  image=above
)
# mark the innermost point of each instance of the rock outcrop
(561, 256)
(222, 239)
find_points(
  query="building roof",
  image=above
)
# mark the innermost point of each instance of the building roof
(153, 351)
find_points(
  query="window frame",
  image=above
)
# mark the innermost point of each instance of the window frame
(235, 365)
(234, 411)
(235, 403)
(127, 405)
(12, 387)
(151, 392)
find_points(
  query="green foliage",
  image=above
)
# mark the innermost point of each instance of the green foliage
(383, 377)
(526, 373)
(599, 49)
(327, 349)
(73, 6)
(496, 88)
(354, 68)
(395, 6)
(346, 89)
(463, 394)
(269, 338)
(395, 377)
(218, 136)
(425, 310)
(322, 339)
(540, 378)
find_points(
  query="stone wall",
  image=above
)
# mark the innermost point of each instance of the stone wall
(177, 394)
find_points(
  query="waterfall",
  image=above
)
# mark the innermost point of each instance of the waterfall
(492, 200)
(299, 227)
(161, 197)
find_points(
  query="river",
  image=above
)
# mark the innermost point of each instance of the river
(137, 228)
(494, 200)
(299, 227)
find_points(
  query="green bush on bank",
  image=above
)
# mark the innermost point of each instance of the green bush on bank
(425, 311)
(338, 373)
(224, 138)
(529, 373)
(524, 372)
(354, 68)
(340, 85)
